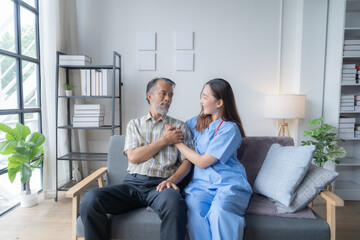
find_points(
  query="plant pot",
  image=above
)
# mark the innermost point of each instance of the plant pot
(28, 200)
(68, 92)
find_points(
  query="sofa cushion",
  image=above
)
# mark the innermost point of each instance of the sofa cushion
(261, 227)
(282, 171)
(315, 180)
(253, 150)
(264, 206)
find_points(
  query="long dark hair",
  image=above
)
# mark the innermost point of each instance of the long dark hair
(221, 90)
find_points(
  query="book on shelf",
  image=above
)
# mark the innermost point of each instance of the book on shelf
(346, 135)
(352, 101)
(349, 75)
(88, 124)
(352, 47)
(89, 113)
(357, 134)
(347, 120)
(97, 82)
(352, 42)
(74, 62)
(348, 97)
(352, 53)
(347, 125)
(85, 118)
(347, 104)
(348, 82)
(357, 127)
(107, 85)
(75, 58)
(349, 70)
(88, 106)
(349, 65)
(346, 130)
(347, 108)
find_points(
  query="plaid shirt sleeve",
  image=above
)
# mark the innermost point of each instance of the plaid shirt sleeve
(131, 140)
(188, 139)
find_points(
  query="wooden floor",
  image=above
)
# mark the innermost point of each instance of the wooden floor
(51, 220)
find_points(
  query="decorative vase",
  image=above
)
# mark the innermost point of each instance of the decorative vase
(68, 92)
(28, 200)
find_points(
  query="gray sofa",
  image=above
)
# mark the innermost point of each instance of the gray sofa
(144, 224)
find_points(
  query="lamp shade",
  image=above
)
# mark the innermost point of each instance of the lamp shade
(284, 106)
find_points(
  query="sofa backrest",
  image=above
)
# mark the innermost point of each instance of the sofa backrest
(251, 154)
(253, 150)
(117, 163)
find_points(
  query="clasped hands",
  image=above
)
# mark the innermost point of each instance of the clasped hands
(171, 136)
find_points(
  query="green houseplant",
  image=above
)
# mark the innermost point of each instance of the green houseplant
(25, 152)
(324, 138)
(68, 89)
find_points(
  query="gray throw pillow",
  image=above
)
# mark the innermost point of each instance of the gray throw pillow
(282, 171)
(315, 180)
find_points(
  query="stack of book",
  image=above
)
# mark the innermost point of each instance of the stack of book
(88, 115)
(346, 127)
(348, 74)
(351, 48)
(347, 103)
(96, 82)
(357, 131)
(74, 60)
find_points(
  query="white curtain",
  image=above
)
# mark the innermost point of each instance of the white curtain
(57, 32)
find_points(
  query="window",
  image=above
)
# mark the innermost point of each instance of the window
(19, 83)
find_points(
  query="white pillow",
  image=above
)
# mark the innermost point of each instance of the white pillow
(282, 171)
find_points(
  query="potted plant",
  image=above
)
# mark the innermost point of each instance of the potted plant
(68, 89)
(25, 155)
(324, 138)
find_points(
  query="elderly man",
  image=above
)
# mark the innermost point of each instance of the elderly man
(155, 169)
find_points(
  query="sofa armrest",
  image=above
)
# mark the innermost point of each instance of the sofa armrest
(75, 192)
(332, 200)
(79, 187)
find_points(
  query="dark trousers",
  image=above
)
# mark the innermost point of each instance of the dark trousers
(136, 191)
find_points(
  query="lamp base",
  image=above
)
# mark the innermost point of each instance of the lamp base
(283, 126)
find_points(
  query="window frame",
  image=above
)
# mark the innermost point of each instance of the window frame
(19, 58)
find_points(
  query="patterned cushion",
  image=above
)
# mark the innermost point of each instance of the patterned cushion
(315, 180)
(282, 171)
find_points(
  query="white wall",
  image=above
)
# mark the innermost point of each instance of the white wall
(237, 41)
(261, 47)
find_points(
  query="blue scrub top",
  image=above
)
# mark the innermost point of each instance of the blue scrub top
(227, 170)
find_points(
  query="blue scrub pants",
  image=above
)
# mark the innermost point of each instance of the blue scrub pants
(216, 214)
(136, 191)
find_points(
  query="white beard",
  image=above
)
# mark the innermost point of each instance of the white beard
(158, 109)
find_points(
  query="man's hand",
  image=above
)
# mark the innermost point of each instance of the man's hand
(166, 184)
(172, 135)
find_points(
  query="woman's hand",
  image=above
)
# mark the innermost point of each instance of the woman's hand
(166, 184)
(172, 135)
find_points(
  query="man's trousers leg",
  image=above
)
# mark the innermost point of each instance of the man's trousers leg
(98, 202)
(171, 207)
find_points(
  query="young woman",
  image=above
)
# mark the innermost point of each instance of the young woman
(219, 192)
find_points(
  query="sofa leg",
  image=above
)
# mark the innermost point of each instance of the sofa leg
(75, 214)
(331, 219)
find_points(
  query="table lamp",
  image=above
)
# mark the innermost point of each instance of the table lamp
(284, 106)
